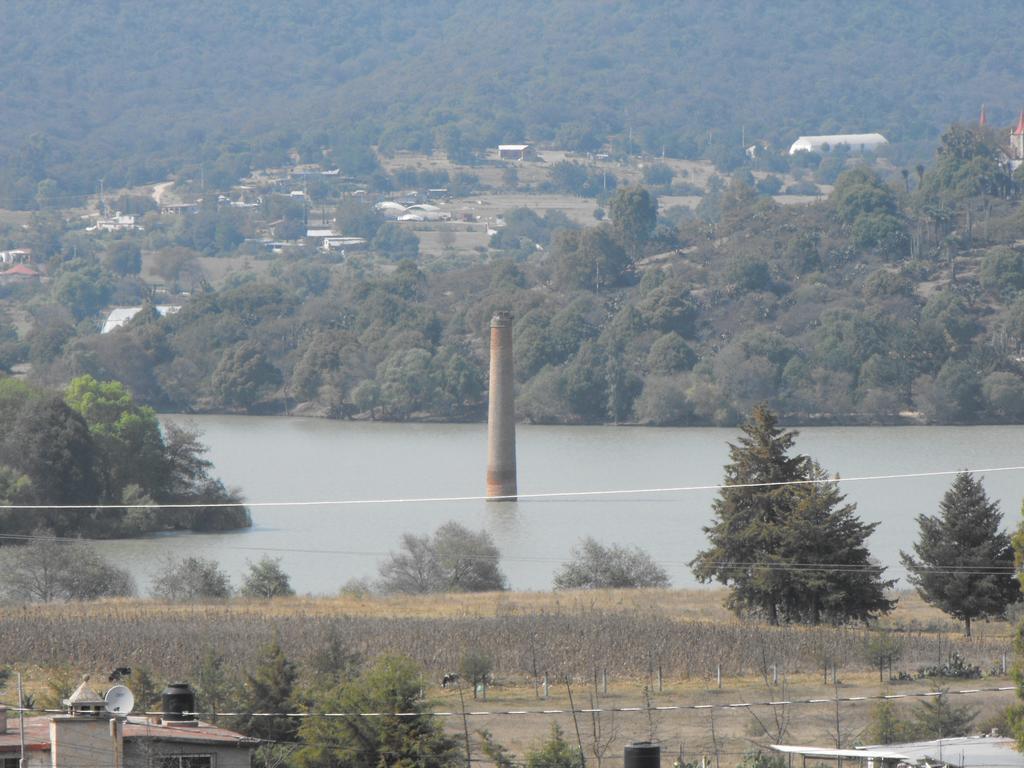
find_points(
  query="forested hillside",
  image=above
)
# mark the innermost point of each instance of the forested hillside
(886, 300)
(132, 91)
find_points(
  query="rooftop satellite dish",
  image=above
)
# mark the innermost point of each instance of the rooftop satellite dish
(119, 700)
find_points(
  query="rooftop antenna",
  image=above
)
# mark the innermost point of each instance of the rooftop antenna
(119, 700)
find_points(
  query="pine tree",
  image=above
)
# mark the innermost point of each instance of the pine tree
(964, 564)
(392, 684)
(789, 548)
(270, 690)
(825, 541)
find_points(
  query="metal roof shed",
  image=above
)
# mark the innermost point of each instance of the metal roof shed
(869, 758)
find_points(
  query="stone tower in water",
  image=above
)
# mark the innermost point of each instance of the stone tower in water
(501, 413)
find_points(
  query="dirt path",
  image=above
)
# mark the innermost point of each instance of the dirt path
(159, 190)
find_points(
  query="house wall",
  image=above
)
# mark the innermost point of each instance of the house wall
(142, 754)
(81, 741)
(33, 758)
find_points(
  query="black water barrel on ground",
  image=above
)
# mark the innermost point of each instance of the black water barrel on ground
(176, 699)
(642, 754)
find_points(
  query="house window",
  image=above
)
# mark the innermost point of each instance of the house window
(183, 761)
(10, 762)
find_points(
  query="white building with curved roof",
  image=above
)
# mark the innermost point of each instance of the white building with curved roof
(857, 142)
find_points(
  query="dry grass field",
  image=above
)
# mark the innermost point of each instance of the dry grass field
(622, 635)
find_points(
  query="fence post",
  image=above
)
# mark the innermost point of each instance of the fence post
(1004, 662)
(604, 680)
(775, 674)
(660, 680)
(718, 674)
(545, 685)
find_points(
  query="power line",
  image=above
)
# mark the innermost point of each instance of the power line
(519, 497)
(582, 710)
(824, 567)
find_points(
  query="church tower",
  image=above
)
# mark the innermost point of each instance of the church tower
(1017, 139)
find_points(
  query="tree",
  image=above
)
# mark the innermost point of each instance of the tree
(190, 579)
(634, 214)
(127, 436)
(885, 725)
(938, 718)
(52, 445)
(766, 539)
(357, 219)
(178, 265)
(47, 569)
(590, 259)
(822, 528)
(669, 354)
(476, 667)
(568, 176)
(214, 688)
(266, 579)
(965, 563)
(392, 684)
(270, 689)
(244, 376)
(555, 752)
(189, 482)
(396, 242)
(594, 566)
(455, 559)
(83, 287)
(657, 174)
(123, 258)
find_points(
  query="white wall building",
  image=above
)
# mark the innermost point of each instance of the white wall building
(857, 142)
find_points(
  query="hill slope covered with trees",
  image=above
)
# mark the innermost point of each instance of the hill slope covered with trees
(132, 91)
(884, 298)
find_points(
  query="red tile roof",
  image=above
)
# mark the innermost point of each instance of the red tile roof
(37, 733)
(22, 269)
(142, 728)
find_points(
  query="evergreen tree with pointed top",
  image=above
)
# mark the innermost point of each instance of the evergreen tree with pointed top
(393, 684)
(783, 539)
(833, 578)
(965, 563)
(270, 688)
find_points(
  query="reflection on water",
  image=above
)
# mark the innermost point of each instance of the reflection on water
(280, 459)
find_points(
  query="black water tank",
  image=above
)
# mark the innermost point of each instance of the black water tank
(176, 699)
(642, 754)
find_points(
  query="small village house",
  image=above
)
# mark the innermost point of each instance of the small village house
(857, 142)
(516, 152)
(89, 735)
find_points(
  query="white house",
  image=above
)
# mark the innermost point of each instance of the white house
(121, 315)
(857, 142)
(119, 222)
(516, 152)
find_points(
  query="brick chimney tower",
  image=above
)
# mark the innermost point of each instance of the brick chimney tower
(501, 414)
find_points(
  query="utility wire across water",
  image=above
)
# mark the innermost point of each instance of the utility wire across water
(519, 497)
(822, 567)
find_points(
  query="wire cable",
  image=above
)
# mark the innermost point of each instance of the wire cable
(814, 567)
(519, 497)
(582, 710)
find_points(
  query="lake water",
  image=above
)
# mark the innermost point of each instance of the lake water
(282, 459)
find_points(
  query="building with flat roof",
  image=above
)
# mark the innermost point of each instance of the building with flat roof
(89, 735)
(857, 142)
(515, 152)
